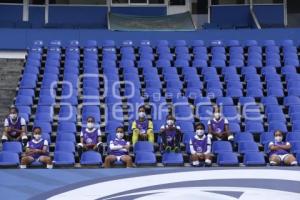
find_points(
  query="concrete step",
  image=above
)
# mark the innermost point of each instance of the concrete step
(10, 71)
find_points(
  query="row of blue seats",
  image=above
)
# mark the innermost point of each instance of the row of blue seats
(64, 155)
(177, 43)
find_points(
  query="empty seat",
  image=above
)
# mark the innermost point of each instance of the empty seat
(143, 158)
(63, 159)
(9, 159)
(227, 159)
(254, 159)
(91, 158)
(15, 147)
(172, 159)
(247, 146)
(221, 146)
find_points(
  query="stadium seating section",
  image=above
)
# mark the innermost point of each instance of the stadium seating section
(62, 85)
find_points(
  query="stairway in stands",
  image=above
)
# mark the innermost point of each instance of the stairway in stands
(9, 78)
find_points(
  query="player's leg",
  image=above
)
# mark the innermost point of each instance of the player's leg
(109, 160)
(208, 159)
(46, 160)
(26, 160)
(135, 136)
(150, 135)
(194, 160)
(127, 160)
(274, 160)
(290, 160)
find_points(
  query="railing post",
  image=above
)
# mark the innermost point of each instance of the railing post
(25, 10)
(285, 12)
(46, 11)
(208, 11)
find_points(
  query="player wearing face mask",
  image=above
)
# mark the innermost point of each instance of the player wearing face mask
(218, 127)
(118, 150)
(171, 135)
(142, 128)
(200, 147)
(90, 138)
(14, 127)
(280, 151)
(36, 150)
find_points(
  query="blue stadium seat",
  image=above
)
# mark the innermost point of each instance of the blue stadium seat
(65, 137)
(45, 126)
(63, 159)
(254, 159)
(254, 127)
(243, 137)
(143, 146)
(64, 146)
(143, 158)
(266, 137)
(172, 159)
(273, 126)
(15, 147)
(9, 159)
(22, 100)
(293, 137)
(227, 159)
(91, 158)
(247, 146)
(66, 127)
(221, 146)
(295, 147)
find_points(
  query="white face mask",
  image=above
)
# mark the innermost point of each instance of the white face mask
(142, 114)
(217, 115)
(170, 122)
(13, 116)
(90, 125)
(119, 135)
(199, 132)
(278, 138)
(37, 136)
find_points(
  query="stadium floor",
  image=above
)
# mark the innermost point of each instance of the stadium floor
(152, 183)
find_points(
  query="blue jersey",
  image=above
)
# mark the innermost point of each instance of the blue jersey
(200, 146)
(14, 125)
(119, 152)
(90, 137)
(142, 125)
(218, 126)
(280, 151)
(33, 144)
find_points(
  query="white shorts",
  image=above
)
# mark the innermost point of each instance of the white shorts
(118, 158)
(282, 157)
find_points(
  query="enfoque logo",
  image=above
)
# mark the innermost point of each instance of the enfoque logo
(243, 184)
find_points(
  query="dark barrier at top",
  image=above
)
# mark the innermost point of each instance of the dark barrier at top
(231, 15)
(270, 15)
(178, 22)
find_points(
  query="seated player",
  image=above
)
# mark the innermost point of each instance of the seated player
(90, 138)
(200, 147)
(14, 127)
(218, 127)
(118, 150)
(37, 149)
(280, 151)
(142, 128)
(171, 135)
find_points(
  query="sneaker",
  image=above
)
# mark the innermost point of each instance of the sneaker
(230, 138)
(22, 166)
(176, 150)
(294, 163)
(272, 163)
(168, 149)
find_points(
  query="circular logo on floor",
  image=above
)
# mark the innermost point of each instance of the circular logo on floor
(224, 184)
